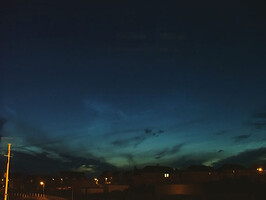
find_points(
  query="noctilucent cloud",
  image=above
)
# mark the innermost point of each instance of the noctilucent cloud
(102, 86)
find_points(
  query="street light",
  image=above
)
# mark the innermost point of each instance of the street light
(72, 192)
(42, 184)
(259, 169)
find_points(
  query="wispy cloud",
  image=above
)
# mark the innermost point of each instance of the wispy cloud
(240, 138)
(169, 151)
(42, 162)
(258, 125)
(260, 115)
(247, 157)
(102, 111)
(10, 111)
(35, 148)
(136, 140)
(196, 158)
(223, 132)
(258, 120)
(86, 168)
(188, 160)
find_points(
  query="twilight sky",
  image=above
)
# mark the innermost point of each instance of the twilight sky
(95, 86)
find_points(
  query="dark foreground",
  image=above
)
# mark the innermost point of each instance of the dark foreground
(227, 190)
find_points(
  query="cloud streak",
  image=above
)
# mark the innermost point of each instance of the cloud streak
(136, 140)
(246, 157)
(42, 162)
(169, 151)
(241, 138)
(260, 115)
(258, 121)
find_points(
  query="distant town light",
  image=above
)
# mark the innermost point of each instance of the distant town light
(166, 175)
(96, 181)
(42, 184)
(106, 181)
(259, 169)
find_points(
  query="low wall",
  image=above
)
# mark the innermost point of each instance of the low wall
(178, 189)
(111, 188)
(91, 191)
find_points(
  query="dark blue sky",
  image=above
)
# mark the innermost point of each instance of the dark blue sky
(95, 86)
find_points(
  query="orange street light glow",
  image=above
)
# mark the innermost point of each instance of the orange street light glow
(96, 181)
(259, 169)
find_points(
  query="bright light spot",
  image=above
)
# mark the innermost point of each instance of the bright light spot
(41, 183)
(166, 175)
(259, 169)
(96, 181)
(106, 181)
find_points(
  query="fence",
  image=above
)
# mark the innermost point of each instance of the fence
(34, 196)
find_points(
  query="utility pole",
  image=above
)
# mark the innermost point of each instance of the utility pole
(7, 170)
(72, 193)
